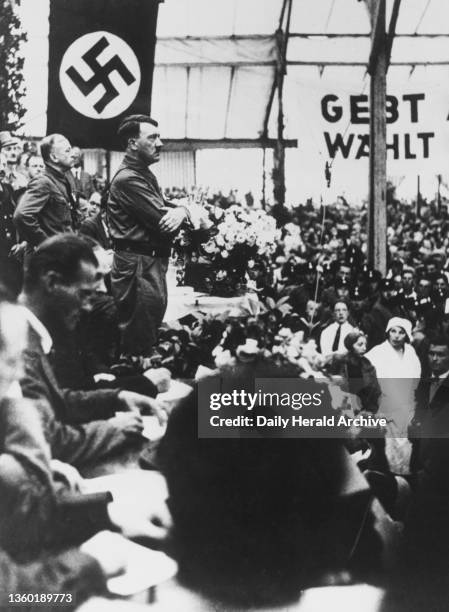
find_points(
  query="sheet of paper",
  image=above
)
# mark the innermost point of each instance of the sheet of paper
(144, 569)
(129, 484)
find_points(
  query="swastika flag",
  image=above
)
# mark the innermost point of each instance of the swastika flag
(101, 61)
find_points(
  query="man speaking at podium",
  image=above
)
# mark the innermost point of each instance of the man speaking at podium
(142, 226)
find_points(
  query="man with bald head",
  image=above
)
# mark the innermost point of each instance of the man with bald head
(47, 206)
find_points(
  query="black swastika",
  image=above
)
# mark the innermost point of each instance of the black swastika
(100, 75)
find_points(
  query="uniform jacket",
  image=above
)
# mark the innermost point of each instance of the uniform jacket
(136, 205)
(45, 208)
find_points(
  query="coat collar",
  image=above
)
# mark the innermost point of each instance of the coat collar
(40, 331)
(132, 161)
(55, 172)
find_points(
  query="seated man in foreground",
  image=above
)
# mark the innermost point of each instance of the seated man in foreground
(80, 426)
(34, 515)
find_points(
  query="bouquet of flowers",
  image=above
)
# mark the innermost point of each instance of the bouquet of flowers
(239, 239)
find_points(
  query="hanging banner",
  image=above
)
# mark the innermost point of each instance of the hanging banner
(101, 60)
(333, 127)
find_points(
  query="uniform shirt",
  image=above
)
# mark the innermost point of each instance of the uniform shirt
(45, 208)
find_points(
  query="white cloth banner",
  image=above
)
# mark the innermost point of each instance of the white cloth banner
(333, 125)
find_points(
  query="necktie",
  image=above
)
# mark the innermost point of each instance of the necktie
(434, 384)
(337, 338)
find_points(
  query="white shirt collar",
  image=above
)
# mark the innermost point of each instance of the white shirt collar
(342, 324)
(40, 329)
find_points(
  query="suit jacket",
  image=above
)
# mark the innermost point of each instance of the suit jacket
(431, 428)
(26, 488)
(64, 413)
(83, 186)
(68, 405)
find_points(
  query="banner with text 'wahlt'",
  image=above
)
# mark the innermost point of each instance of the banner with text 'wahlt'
(101, 60)
(332, 122)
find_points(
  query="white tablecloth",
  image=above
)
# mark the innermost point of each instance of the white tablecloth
(181, 303)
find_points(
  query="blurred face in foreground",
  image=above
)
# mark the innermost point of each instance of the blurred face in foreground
(12, 343)
(2, 167)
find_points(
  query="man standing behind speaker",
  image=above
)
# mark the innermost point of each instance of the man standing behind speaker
(47, 206)
(81, 183)
(142, 227)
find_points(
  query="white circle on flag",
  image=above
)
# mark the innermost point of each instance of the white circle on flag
(100, 75)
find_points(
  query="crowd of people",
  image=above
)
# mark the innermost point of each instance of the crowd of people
(253, 523)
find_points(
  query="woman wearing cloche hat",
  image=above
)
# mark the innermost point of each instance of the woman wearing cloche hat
(398, 370)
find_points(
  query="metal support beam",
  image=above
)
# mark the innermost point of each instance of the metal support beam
(377, 213)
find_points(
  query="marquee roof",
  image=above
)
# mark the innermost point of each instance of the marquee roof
(216, 60)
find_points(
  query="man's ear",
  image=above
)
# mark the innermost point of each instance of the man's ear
(53, 158)
(51, 280)
(131, 143)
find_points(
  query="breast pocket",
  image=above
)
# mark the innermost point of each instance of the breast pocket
(61, 209)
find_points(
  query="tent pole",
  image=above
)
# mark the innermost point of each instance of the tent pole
(418, 196)
(279, 149)
(264, 178)
(377, 213)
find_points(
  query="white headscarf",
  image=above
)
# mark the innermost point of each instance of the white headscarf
(400, 322)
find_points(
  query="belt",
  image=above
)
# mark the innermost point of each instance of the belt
(140, 248)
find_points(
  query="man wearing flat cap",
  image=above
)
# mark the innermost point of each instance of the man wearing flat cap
(142, 227)
(11, 147)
